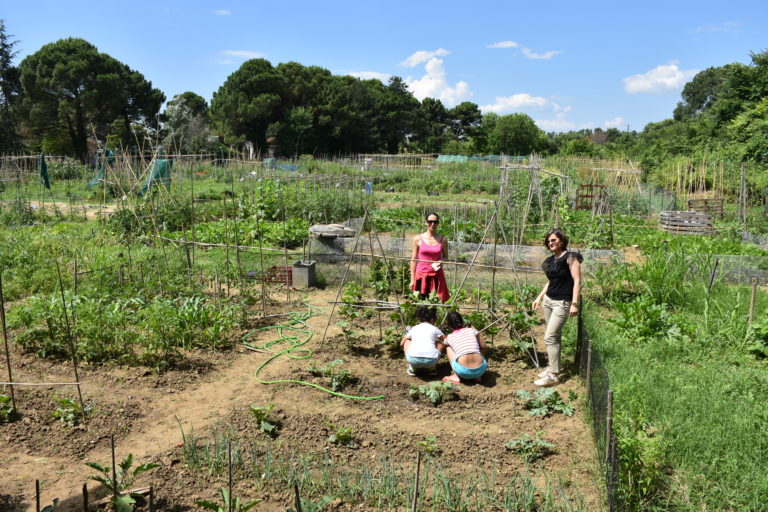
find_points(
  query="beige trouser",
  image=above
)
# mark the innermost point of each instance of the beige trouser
(556, 312)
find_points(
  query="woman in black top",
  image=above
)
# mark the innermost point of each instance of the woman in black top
(559, 299)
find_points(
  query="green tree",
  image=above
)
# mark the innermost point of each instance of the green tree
(465, 119)
(71, 90)
(398, 112)
(248, 101)
(750, 130)
(10, 88)
(702, 91)
(347, 118)
(298, 124)
(184, 123)
(516, 134)
(431, 126)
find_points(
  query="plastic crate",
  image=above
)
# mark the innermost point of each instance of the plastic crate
(279, 274)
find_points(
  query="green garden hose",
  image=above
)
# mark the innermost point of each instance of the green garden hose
(298, 324)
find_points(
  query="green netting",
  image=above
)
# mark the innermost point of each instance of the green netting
(107, 159)
(444, 159)
(159, 174)
(44, 172)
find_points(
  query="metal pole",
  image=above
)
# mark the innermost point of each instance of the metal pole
(712, 276)
(416, 482)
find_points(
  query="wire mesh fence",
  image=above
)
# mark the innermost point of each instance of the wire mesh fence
(600, 410)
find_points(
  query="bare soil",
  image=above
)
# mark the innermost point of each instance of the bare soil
(212, 393)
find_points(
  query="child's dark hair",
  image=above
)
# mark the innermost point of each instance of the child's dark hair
(454, 320)
(426, 314)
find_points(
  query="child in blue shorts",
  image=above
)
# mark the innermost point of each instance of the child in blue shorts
(464, 347)
(423, 342)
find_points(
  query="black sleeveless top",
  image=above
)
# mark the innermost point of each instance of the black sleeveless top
(559, 274)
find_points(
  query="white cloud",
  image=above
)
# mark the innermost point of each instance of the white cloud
(434, 85)
(367, 75)
(521, 101)
(222, 12)
(616, 122)
(241, 54)
(530, 54)
(504, 44)
(729, 27)
(660, 80)
(423, 56)
(558, 124)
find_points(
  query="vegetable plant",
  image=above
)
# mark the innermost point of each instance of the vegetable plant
(530, 449)
(261, 414)
(429, 446)
(351, 296)
(544, 401)
(342, 436)
(339, 378)
(6, 409)
(124, 478)
(435, 392)
(311, 506)
(228, 504)
(70, 412)
(349, 334)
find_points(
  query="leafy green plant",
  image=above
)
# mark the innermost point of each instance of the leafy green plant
(642, 452)
(312, 506)
(51, 507)
(6, 409)
(351, 297)
(380, 278)
(261, 413)
(342, 436)
(70, 412)
(347, 331)
(228, 504)
(644, 320)
(429, 446)
(758, 338)
(530, 449)
(435, 392)
(339, 378)
(391, 341)
(124, 478)
(544, 401)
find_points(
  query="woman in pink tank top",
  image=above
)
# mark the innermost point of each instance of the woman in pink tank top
(429, 251)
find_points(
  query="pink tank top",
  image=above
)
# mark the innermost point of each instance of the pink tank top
(428, 252)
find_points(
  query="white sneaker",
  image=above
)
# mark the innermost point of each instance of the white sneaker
(410, 371)
(546, 381)
(544, 372)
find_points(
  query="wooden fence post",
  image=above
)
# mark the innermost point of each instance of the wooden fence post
(589, 370)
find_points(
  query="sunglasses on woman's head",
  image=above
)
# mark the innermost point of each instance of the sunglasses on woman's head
(433, 222)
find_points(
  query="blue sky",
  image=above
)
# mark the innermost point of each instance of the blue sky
(567, 64)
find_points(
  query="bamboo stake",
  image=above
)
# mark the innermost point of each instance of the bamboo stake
(749, 323)
(72, 345)
(343, 279)
(5, 341)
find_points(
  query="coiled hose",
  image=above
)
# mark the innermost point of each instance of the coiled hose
(291, 333)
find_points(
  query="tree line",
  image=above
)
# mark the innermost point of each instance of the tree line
(67, 93)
